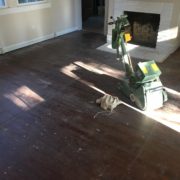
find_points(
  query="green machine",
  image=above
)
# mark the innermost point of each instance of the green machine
(141, 83)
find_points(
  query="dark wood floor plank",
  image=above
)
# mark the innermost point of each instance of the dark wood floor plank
(48, 127)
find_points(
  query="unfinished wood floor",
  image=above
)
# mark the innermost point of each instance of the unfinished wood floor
(48, 127)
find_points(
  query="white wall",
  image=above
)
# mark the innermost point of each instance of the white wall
(66, 15)
(24, 25)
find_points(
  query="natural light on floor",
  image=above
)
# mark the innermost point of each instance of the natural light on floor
(24, 98)
(168, 116)
(101, 69)
(168, 34)
(129, 46)
(173, 92)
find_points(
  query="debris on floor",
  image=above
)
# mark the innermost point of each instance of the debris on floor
(108, 102)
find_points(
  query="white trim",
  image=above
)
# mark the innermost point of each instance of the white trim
(5, 5)
(79, 15)
(69, 30)
(20, 9)
(109, 38)
(31, 3)
(106, 17)
(26, 43)
(36, 40)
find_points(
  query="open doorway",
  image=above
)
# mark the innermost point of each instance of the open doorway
(93, 15)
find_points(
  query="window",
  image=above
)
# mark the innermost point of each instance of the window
(29, 1)
(2, 3)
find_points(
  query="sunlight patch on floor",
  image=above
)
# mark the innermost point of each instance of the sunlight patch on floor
(168, 115)
(168, 119)
(24, 98)
(173, 92)
(68, 70)
(130, 47)
(101, 69)
(168, 34)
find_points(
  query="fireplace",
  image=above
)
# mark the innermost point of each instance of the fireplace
(155, 27)
(144, 28)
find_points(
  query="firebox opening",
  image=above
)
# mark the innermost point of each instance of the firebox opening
(144, 28)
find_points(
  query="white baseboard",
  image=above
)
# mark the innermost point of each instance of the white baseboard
(36, 40)
(26, 43)
(66, 31)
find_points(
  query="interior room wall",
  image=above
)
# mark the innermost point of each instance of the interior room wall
(66, 16)
(23, 25)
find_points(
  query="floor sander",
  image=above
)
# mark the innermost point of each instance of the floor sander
(141, 82)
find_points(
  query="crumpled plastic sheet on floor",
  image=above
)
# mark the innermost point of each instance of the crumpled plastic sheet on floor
(108, 102)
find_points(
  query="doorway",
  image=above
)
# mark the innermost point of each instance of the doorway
(93, 16)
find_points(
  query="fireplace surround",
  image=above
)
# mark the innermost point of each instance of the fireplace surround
(163, 35)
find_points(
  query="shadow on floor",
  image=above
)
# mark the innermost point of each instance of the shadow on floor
(47, 124)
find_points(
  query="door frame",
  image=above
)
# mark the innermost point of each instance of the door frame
(106, 18)
(108, 4)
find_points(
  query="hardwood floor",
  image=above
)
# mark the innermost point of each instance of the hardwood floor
(49, 126)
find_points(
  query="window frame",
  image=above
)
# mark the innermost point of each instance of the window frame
(5, 5)
(31, 3)
(25, 7)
